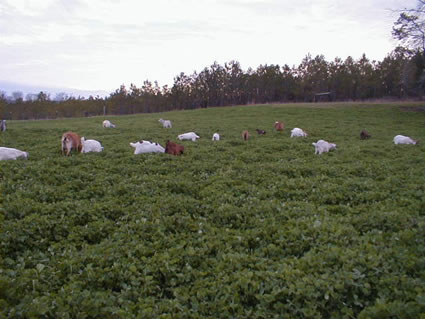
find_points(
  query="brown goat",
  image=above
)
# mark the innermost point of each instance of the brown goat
(364, 135)
(71, 140)
(279, 126)
(260, 132)
(173, 148)
(245, 135)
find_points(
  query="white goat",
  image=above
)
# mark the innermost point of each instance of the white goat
(106, 123)
(322, 146)
(216, 137)
(7, 153)
(3, 125)
(188, 136)
(147, 147)
(297, 132)
(165, 123)
(90, 146)
(401, 139)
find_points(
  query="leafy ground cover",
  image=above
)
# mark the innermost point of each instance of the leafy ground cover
(231, 229)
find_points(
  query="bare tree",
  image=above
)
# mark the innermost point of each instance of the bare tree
(42, 96)
(30, 97)
(409, 28)
(3, 96)
(17, 96)
(62, 96)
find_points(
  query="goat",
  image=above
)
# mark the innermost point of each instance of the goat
(71, 140)
(279, 126)
(188, 136)
(173, 148)
(245, 135)
(90, 146)
(297, 132)
(147, 147)
(260, 132)
(106, 123)
(3, 125)
(216, 137)
(401, 139)
(7, 153)
(165, 123)
(364, 135)
(323, 146)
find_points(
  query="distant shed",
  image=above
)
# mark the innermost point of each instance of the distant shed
(323, 97)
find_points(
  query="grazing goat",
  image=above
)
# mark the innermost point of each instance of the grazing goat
(364, 135)
(106, 123)
(401, 139)
(245, 135)
(279, 126)
(165, 123)
(90, 146)
(3, 125)
(297, 132)
(260, 132)
(146, 147)
(216, 137)
(188, 136)
(7, 153)
(322, 146)
(173, 148)
(71, 140)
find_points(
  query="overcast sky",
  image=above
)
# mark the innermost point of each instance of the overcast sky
(101, 44)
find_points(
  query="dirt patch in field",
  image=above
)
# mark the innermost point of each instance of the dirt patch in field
(413, 108)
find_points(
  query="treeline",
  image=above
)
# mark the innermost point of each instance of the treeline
(401, 74)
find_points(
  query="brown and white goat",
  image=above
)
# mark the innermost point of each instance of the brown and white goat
(245, 135)
(364, 135)
(279, 126)
(173, 148)
(71, 140)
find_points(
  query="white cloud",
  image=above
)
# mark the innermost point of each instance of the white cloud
(28, 7)
(100, 44)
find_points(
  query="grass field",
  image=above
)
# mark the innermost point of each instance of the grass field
(231, 229)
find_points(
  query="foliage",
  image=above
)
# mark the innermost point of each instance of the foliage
(256, 229)
(401, 74)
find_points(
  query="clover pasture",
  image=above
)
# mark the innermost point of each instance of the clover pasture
(231, 229)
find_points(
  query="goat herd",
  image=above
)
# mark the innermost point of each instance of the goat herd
(72, 141)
